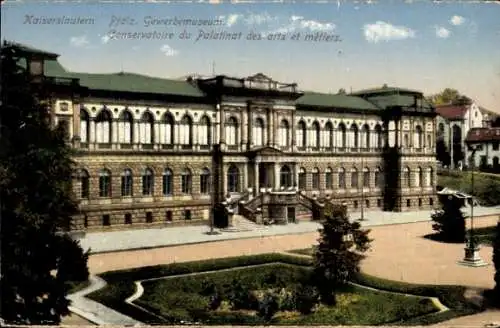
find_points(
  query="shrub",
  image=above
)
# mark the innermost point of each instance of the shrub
(306, 297)
(268, 306)
(496, 262)
(449, 221)
(241, 297)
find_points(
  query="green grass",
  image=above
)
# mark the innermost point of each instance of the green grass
(485, 235)
(486, 186)
(363, 306)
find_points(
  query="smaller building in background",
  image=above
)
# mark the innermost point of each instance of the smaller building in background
(485, 141)
(453, 124)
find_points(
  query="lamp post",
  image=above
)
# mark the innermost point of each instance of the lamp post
(472, 257)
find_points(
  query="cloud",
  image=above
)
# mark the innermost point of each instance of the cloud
(382, 31)
(457, 20)
(105, 39)
(168, 50)
(79, 41)
(233, 19)
(442, 32)
(299, 23)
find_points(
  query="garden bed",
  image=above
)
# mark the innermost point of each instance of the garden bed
(484, 236)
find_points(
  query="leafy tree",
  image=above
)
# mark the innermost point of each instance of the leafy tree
(449, 221)
(339, 252)
(341, 91)
(496, 263)
(447, 96)
(38, 258)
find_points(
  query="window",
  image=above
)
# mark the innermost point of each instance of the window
(431, 201)
(232, 131)
(285, 176)
(103, 127)
(354, 178)
(342, 182)
(125, 128)
(186, 131)
(302, 179)
(149, 217)
(379, 202)
(495, 145)
(342, 136)
(419, 177)
(105, 183)
(406, 141)
(354, 136)
(186, 181)
(128, 218)
(328, 178)
(367, 203)
(408, 203)
(429, 141)
(147, 182)
(379, 136)
(366, 136)
(63, 124)
(431, 177)
(258, 132)
(84, 126)
(420, 202)
(284, 133)
(301, 134)
(355, 203)
(127, 183)
(418, 141)
(187, 215)
(315, 178)
(167, 182)
(315, 142)
(84, 184)
(366, 178)
(204, 131)
(205, 181)
(328, 140)
(407, 176)
(106, 220)
(167, 129)
(146, 129)
(233, 179)
(168, 216)
(379, 183)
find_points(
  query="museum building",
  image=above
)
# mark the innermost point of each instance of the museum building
(155, 152)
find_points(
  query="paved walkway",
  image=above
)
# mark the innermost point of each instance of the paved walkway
(111, 241)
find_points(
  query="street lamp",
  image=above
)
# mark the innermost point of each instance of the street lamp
(472, 257)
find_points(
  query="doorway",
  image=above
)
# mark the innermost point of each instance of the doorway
(290, 214)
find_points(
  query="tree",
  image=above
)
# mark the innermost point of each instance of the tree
(38, 258)
(449, 221)
(496, 263)
(339, 251)
(447, 96)
(341, 91)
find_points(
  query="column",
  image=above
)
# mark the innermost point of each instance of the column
(244, 129)
(296, 174)
(194, 136)
(256, 178)
(136, 133)
(223, 178)
(276, 176)
(293, 132)
(275, 128)
(222, 130)
(245, 177)
(156, 133)
(92, 132)
(269, 126)
(250, 127)
(114, 134)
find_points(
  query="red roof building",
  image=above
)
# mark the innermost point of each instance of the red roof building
(452, 112)
(480, 135)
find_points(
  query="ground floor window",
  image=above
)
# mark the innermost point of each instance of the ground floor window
(168, 216)
(106, 220)
(149, 217)
(286, 177)
(233, 177)
(187, 215)
(128, 218)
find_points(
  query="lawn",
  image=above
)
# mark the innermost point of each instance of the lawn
(485, 235)
(486, 186)
(173, 298)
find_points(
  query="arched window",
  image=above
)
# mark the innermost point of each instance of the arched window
(233, 179)
(342, 180)
(366, 136)
(127, 183)
(84, 184)
(186, 131)
(354, 178)
(301, 134)
(104, 183)
(418, 142)
(186, 181)
(125, 128)
(419, 177)
(328, 178)
(379, 181)
(302, 179)
(205, 131)
(407, 176)
(355, 135)
(232, 131)
(429, 141)
(342, 131)
(284, 134)
(146, 129)
(315, 179)
(406, 141)
(366, 177)
(103, 127)
(328, 141)
(258, 132)
(431, 177)
(379, 136)
(316, 137)
(84, 126)
(167, 182)
(167, 129)
(205, 181)
(147, 182)
(285, 176)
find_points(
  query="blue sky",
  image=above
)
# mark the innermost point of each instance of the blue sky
(422, 45)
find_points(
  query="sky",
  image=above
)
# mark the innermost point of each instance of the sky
(420, 45)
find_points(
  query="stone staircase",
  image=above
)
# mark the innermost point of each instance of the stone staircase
(240, 223)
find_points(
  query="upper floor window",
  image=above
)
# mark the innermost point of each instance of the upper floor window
(186, 131)
(284, 133)
(167, 182)
(233, 179)
(258, 132)
(205, 131)
(125, 128)
(104, 183)
(316, 135)
(232, 131)
(285, 176)
(84, 184)
(302, 179)
(328, 178)
(205, 181)
(186, 181)
(127, 186)
(342, 180)
(379, 136)
(103, 127)
(354, 136)
(84, 126)
(301, 134)
(418, 142)
(146, 129)
(354, 178)
(407, 176)
(147, 182)
(167, 129)
(342, 135)
(366, 136)
(315, 178)
(328, 141)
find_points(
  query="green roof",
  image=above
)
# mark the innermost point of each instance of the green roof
(28, 49)
(315, 99)
(383, 90)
